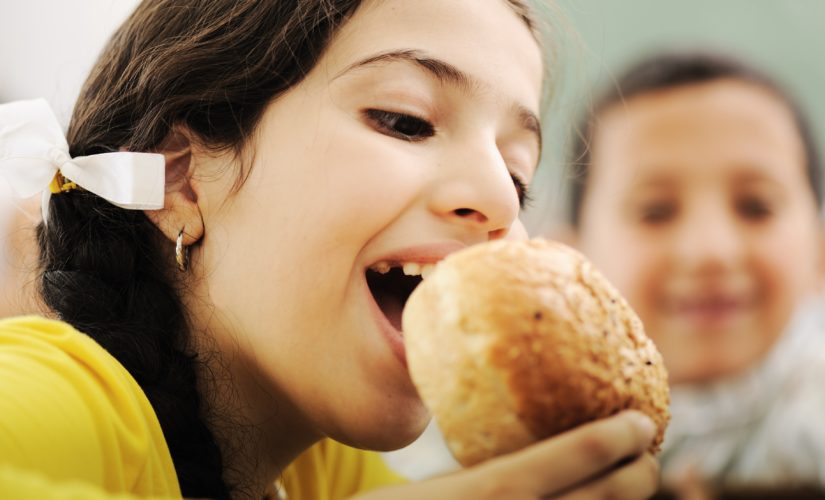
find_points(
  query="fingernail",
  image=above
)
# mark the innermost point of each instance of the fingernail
(645, 425)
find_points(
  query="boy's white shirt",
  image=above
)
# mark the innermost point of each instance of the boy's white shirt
(764, 427)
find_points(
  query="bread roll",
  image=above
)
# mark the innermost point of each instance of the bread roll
(512, 342)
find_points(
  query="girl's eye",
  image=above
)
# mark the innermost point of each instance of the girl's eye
(523, 191)
(400, 125)
(753, 208)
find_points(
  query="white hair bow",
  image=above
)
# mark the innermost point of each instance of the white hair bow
(33, 151)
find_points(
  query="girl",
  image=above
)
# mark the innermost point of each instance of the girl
(699, 197)
(308, 147)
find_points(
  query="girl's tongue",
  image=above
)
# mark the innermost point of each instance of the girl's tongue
(391, 305)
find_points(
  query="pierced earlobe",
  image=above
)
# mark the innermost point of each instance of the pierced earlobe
(180, 219)
(181, 253)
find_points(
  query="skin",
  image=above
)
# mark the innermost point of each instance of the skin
(18, 257)
(277, 291)
(699, 210)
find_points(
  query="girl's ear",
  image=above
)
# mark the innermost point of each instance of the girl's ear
(180, 212)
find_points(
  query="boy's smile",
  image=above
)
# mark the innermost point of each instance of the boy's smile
(706, 312)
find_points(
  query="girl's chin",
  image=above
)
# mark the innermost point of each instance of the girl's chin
(387, 433)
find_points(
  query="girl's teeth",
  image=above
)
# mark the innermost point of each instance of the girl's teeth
(412, 269)
(381, 267)
(409, 268)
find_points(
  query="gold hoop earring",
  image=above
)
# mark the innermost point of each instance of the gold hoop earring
(181, 253)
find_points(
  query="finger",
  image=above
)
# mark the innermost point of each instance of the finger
(560, 462)
(636, 480)
(690, 486)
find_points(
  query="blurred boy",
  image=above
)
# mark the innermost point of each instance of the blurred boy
(698, 196)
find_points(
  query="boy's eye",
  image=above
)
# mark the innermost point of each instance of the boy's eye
(400, 125)
(753, 208)
(658, 213)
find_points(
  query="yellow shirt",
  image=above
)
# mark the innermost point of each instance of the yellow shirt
(75, 424)
(70, 413)
(332, 471)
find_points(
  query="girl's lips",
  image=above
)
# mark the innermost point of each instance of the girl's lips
(422, 254)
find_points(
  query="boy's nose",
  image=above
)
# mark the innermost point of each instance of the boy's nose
(475, 191)
(709, 238)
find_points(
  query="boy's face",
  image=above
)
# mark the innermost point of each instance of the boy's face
(699, 209)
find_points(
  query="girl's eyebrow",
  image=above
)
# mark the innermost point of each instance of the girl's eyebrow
(446, 74)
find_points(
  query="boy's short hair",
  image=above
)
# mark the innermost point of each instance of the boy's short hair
(670, 70)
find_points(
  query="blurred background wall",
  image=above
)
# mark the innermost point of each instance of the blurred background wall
(48, 46)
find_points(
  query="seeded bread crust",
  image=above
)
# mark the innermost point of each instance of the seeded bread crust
(512, 342)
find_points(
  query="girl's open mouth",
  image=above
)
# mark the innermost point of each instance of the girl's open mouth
(391, 285)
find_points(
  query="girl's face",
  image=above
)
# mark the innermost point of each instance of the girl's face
(409, 140)
(700, 211)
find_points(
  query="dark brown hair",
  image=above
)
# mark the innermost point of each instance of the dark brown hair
(211, 66)
(671, 70)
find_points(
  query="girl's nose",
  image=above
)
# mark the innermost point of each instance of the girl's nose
(475, 190)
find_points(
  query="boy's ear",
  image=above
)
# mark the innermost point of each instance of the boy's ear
(180, 212)
(821, 254)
